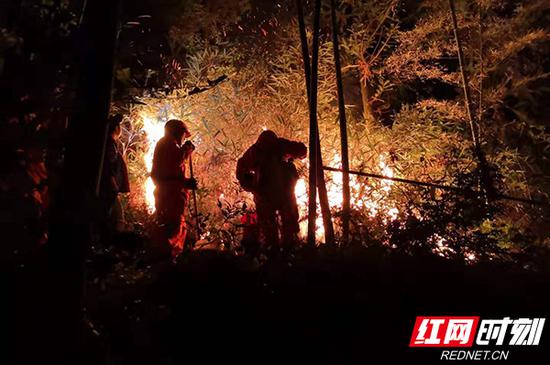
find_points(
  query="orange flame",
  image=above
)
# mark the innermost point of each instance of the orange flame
(374, 202)
(154, 130)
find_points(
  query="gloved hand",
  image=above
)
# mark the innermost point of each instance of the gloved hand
(190, 184)
(188, 146)
(247, 182)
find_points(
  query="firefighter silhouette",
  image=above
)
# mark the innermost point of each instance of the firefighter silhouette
(267, 171)
(172, 187)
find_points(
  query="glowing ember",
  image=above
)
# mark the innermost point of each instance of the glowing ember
(442, 249)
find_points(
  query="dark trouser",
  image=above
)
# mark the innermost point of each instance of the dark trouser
(268, 208)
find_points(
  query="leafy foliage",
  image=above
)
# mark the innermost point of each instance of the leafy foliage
(404, 104)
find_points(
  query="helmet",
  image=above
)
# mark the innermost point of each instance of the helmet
(267, 138)
(176, 127)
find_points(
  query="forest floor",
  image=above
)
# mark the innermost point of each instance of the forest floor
(347, 306)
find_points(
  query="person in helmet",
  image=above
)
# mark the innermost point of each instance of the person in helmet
(172, 187)
(267, 171)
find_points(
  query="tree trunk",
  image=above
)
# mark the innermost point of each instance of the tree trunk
(76, 207)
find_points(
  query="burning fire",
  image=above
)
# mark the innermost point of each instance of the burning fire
(363, 197)
(369, 198)
(154, 130)
(373, 200)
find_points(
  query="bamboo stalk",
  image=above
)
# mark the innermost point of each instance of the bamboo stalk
(343, 126)
(481, 71)
(323, 196)
(318, 181)
(467, 97)
(486, 180)
(312, 197)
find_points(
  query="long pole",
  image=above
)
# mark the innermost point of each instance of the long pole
(480, 113)
(467, 97)
(486, 182)
(343, 126)
(194, 192)
(316, 172)
(456, 189)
